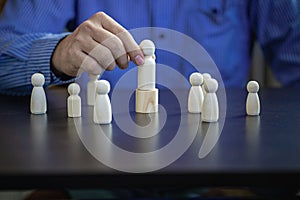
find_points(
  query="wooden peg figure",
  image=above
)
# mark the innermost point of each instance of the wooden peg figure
(91, 89)
(146, 93)
(146, 72)
(252, 102)
(210, 108)
(102, 107)
(74, 100)
(206, 76)
(195, 99)
(38, 102)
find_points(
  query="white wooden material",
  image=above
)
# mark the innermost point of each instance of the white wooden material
(146, 72)
(206, 76)
(146, 95)
(146, 101)
(38, 102)
(252, 102)
(102, 107)
(210, 108)
(195, 99)
(91, 89)
(74, 101)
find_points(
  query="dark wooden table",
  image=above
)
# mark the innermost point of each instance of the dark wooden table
(46, 151)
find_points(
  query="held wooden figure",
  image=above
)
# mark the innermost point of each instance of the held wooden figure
(146, 93)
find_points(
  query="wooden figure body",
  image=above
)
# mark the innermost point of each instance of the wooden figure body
(195, 98)
(252, 102)
(210, 108)
(91, 89)
(38, 101)
(74, 101)
(102, 107)
(206, 76)
(146, 72)
(146, 93)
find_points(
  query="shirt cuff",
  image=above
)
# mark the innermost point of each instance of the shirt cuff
(40, 58)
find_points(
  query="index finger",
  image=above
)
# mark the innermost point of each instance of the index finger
(131, 47)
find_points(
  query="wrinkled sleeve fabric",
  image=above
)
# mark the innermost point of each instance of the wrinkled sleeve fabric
(29, 32)
(276, 25)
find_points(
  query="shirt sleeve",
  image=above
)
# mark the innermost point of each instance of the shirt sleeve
(29, 32)
(276, 25)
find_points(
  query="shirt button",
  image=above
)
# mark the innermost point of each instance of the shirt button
(161, 36)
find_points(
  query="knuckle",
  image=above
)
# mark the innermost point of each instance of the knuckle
(104, 56)
(108, 63)
(78, 39)
(115, 45)
(100, 15)
(86, 26)
(107, 60)
(91, 66)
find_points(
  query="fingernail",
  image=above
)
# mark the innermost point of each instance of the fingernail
(139, 60)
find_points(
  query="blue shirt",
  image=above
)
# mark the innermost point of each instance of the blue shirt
(30, 30)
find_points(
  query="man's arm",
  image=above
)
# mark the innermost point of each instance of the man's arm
(98, 44)
(29, 31)
(276, 25)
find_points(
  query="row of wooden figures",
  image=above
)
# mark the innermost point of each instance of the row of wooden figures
(102, 107)
(203, 99)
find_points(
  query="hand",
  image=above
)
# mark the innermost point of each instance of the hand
(97, 44)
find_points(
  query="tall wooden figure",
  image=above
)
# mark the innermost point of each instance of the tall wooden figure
(102, 107)
(38, 102)
(210, 108)
(195, 99)
(91, 89)
(146, 93)
(74, 101)
(252, 102)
